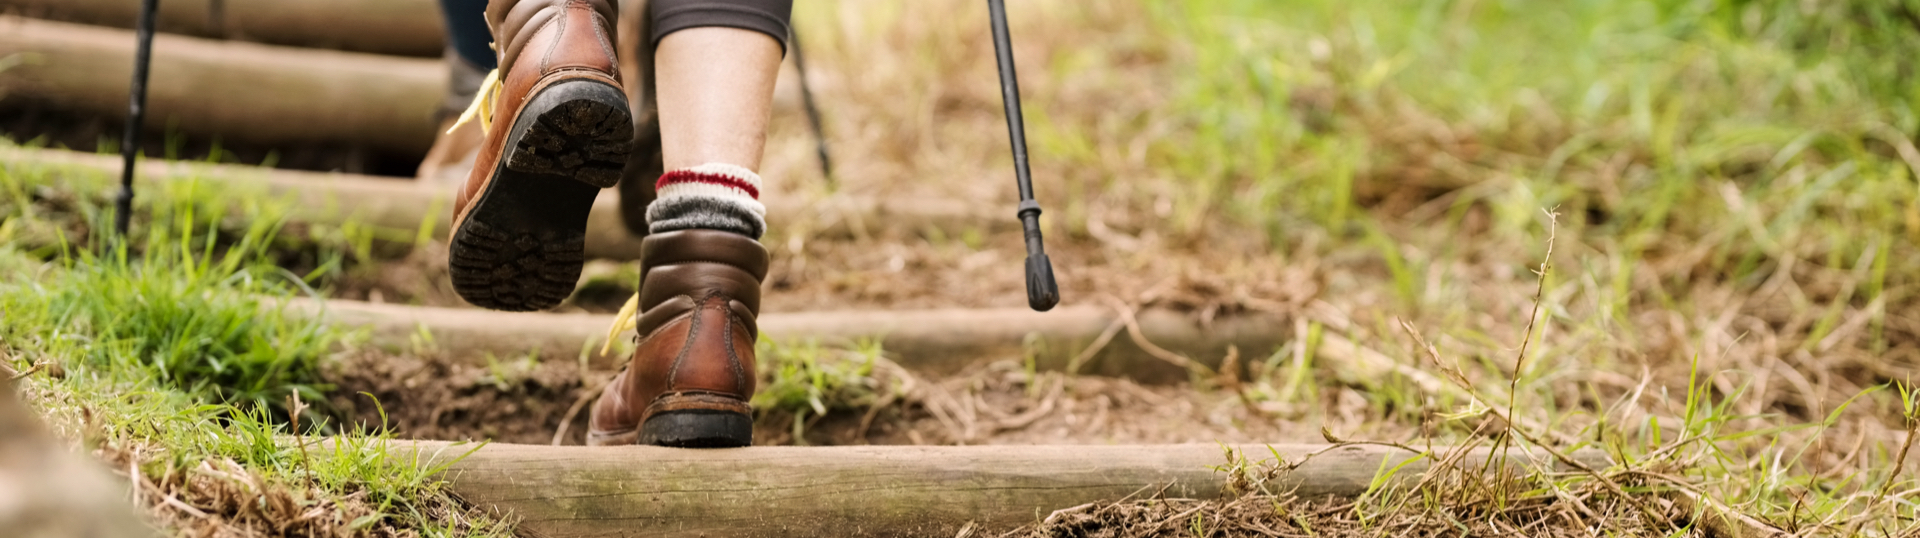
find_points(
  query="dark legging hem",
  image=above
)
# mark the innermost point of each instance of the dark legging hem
(765, 16)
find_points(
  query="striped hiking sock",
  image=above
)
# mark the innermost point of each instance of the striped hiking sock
(712, 196)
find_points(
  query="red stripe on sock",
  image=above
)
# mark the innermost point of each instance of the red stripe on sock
(688, 176)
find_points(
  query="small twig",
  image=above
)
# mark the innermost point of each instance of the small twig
(1071, 509)
(1230, 377)
(1045, 407)
(133, 474)
(946, 410)
(1163, 523)
(560, 434)
(866, 420)
(184, 507)
(1139, 338)
(1722, 519)
(906, 389)
(1098, 345)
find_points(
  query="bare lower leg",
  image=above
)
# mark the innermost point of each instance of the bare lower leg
(715, 91)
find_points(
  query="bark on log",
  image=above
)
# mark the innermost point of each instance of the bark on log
(257, 93)
(402, 27)
(931, 341)
(404, 205)
(580, 492)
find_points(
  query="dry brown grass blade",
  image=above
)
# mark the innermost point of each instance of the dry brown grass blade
(1461, 381)
(1374, 364)
(1899, 465)
(1533, 316)
(295, 408)
(1723, 520)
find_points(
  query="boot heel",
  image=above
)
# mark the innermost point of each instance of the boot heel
(698, 428)
(578, 129)
(698, 421)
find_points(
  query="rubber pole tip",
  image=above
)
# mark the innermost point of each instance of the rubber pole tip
(1042, 292)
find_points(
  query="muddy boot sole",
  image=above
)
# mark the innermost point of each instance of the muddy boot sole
(523, 242)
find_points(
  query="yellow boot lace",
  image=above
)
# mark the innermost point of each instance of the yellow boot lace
(483, 102)
(628, 319)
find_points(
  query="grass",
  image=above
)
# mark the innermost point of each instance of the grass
(169, 355)
(1738, 191)
(805, 382)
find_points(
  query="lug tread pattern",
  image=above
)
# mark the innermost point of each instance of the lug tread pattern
(585, 140)
(516, 272)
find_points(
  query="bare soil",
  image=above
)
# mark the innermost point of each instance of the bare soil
(523, 401)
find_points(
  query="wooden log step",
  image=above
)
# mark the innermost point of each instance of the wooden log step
(402, 27)
(256, 93)
(405, 205)
(930, 341)
(927, 341)
(582, 492)
(247, 92)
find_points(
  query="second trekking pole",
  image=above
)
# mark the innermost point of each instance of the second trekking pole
(136, 113)
(1042, 292)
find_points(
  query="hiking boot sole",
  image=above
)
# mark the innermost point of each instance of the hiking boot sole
(697, 420)
(523, 242)
(698, 428)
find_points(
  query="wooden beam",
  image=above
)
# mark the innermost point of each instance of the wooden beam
(404, 205)
(582, 492)
(930, 341)
(403, 27)
(241, 91)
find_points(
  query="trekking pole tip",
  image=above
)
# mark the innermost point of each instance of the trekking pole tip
(1042, 291)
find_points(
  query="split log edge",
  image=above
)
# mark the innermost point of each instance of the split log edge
(580, 492)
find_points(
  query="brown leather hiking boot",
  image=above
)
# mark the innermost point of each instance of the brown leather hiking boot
(692, 372)
(558, 130)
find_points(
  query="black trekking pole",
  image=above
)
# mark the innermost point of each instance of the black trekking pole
(136, 113)
(1042, 292)
(813, 112)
